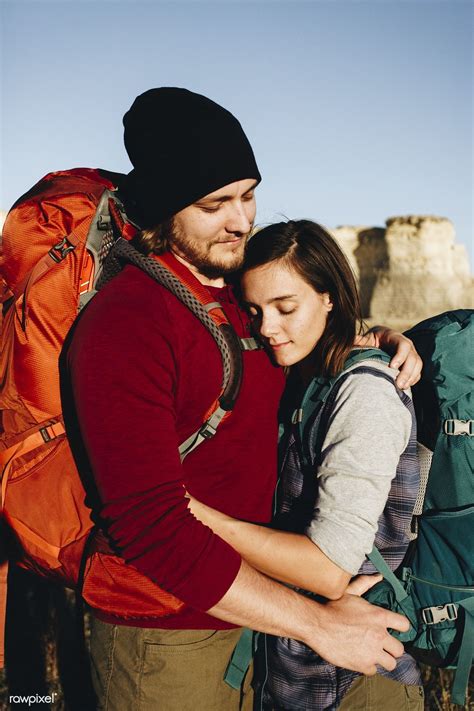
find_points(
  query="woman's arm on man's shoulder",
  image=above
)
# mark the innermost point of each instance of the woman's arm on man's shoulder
(405, 358)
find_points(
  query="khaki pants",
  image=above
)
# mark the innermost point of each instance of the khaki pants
(137, 669)
(377, 693)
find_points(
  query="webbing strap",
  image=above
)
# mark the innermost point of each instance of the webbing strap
(49, 552)
(3, 609)
(466, 654)
(55, 255)
(206, 431)
(44, 264)
(212, 305)
(241, 659)
(380, 564)
(8, 456)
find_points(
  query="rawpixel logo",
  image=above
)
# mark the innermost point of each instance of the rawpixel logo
(33, 699)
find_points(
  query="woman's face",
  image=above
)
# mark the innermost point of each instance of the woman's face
(289, 314)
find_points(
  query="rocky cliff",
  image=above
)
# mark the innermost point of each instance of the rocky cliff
(408, 270)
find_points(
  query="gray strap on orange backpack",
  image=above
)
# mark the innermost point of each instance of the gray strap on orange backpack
(100, 239)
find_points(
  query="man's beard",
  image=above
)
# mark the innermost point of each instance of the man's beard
(200, 255)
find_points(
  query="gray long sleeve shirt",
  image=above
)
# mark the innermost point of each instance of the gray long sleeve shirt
(360, 455)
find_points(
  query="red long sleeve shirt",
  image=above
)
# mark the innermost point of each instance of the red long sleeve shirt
(143, 372)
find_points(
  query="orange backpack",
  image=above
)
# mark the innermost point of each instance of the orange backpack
(55, 241)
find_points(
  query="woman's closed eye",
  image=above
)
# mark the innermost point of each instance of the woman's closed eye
(255, 313)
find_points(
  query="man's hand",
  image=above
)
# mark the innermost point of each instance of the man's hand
(353, 634)
(348, 632)
(405, 356)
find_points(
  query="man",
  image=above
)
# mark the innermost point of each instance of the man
(143, 372)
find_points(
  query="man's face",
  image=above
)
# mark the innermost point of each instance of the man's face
(210, 235)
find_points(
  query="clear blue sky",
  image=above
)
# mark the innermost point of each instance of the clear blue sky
(356, 110)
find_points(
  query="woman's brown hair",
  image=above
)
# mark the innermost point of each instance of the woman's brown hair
(308, 249)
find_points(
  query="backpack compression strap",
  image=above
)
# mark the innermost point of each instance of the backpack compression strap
(466, 654)
(170, 273)
(90, 233)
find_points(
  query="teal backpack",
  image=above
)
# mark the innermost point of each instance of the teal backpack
(434, 586)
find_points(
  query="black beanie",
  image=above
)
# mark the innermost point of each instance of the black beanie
(182, 146)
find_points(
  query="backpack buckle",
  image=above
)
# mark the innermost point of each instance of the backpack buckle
(104, 222)
(207, 430)
(249, 344)
(60, 250)
(297, 416)
(459, 427)
(439, 613)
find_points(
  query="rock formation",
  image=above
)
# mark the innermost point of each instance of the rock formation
(410, 270)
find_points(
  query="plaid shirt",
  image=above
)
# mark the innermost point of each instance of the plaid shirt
(290, 676)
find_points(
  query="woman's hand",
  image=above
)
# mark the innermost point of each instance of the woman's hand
(405, 356)
(361, 583)
(204, 513)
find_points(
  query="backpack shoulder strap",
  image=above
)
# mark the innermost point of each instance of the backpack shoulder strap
(166, 270)
(319, 390)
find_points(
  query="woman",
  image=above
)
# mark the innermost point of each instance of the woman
(361, 481)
